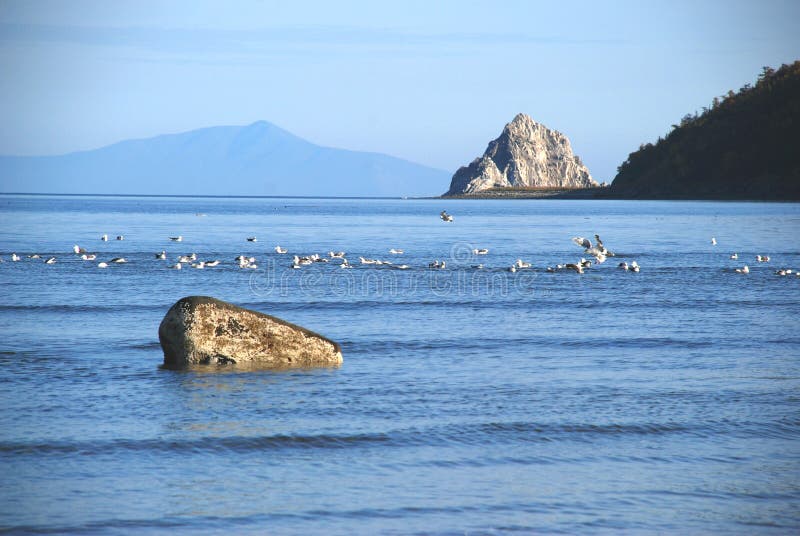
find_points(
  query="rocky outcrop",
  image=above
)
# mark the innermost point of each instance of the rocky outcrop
(526, 155)
(203, 330)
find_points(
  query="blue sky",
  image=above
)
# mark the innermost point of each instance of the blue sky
(431, 82)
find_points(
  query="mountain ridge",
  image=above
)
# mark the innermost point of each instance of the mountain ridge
(256, 159)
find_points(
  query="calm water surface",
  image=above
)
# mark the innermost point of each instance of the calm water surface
(470, 401)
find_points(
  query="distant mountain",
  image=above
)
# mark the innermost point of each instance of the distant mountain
(746, 145)
(258, 159)
(527, 154)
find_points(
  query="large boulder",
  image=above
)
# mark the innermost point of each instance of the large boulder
(203, 330)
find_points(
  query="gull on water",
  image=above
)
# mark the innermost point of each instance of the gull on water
(522, 264)
(78, 250)
(574, 266)
(743, 270)
(34, 256)
(281, 250)
(176, 266)
(735, 256)
(14, 257)
(762, 258)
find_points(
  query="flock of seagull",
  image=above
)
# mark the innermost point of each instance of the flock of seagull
(597, 253)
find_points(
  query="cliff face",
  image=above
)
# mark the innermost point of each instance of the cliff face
(527, 154)
(744, 146)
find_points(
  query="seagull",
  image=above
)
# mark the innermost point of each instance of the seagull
(252, 239)
(51, 260)
(581, 241)
(35, 256)
(119, 260)
(185, 258)
(281, 250)
(368, 261)
(176, 238)
(713, 241)
(78, 250)
(88, 256)
(762, 258)
(634, 267)
(602, 248)
(735, 256)
(572, 266)
(102, 265)
(14, 257)
(522, 264)
(162, 255)
(104, 238)
(743, 270)
(345, 264)
(396, 251)
(482, 251)
(176, 266)
(445, 216)
(120, 237)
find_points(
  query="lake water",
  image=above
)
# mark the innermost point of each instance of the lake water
(470, 401)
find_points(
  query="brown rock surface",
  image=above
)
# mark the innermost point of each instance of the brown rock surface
(204, 330)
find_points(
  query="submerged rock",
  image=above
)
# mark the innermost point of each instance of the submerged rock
(526, 155)
(203, 330)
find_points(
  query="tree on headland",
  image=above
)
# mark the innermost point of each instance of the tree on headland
(746, 145)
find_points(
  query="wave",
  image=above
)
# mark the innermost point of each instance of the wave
(463, 434)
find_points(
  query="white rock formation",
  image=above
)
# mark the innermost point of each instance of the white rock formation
(526, 155)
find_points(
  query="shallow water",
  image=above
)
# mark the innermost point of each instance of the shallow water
(469, 401)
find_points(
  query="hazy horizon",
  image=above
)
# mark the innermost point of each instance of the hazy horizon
(431, 84)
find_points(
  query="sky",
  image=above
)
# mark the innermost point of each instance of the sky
(431, 82)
